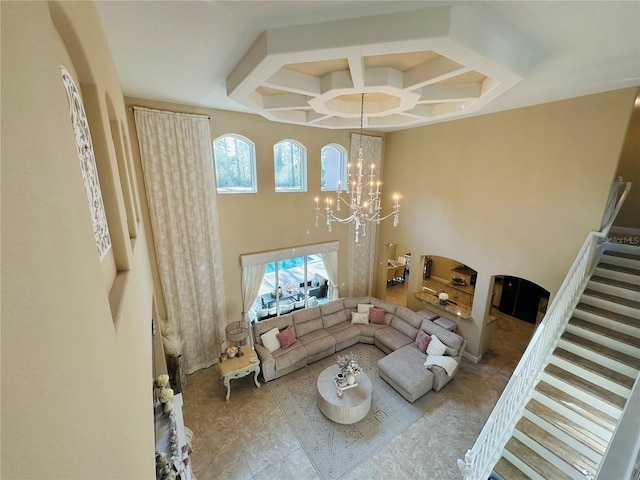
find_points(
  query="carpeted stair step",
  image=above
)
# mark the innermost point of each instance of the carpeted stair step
(575, 409)
(615, 287)
(594, 372)
(607, 318)
(623, 258)
(597, 352)
(614, 303)
(530, 463)
(618, 272)
(574, 434)
(561, 455)
(608, 337)
(599, 397)
(508, 471)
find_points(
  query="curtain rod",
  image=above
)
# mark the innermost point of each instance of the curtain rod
(155, 110)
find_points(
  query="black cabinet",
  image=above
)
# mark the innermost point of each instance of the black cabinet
(521, 298)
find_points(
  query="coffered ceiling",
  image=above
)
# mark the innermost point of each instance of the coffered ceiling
(416, 62)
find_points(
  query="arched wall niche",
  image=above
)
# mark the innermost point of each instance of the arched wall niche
(72, 43)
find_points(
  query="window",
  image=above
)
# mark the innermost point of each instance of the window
(290, 166)
(235, 163)
(300, 282)
(333, 168)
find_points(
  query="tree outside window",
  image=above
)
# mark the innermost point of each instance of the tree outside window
(235, 164)
(290, 166)
(333, 168)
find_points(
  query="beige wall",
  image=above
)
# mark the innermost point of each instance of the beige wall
(251, 223)
(629, 170)
(512, 193)
(76, 387)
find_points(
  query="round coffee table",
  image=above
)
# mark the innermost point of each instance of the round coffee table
(354, 404)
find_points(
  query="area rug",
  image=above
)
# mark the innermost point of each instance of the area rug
(334, 449)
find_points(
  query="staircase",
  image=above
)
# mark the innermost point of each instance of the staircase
(572, 414)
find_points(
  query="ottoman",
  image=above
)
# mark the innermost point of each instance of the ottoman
(446, 324)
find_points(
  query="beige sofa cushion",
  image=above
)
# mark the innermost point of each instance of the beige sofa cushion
(406, 321)
(333, 313)
(306, 321)
(453, 341)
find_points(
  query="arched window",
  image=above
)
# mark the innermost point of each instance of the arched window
(290, 166)
(235, 163)
(333, 167)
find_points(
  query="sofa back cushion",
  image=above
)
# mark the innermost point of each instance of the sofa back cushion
(453, 341)
(388, 306)
(333, 313)
(404, 327)
(351, 303)
(332, 307)
(307, 320)
(406, 321)
(412, 318)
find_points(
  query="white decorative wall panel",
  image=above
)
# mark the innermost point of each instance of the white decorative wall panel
(87, 159)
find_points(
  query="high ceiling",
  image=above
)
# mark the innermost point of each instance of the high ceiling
(416, 62)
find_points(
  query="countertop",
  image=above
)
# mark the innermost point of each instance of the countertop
(432, 299)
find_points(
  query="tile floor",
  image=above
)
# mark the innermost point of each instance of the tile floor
(249, 437)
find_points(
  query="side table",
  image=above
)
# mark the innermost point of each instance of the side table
(239, 367)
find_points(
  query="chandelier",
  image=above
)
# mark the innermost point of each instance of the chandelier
(363, 207)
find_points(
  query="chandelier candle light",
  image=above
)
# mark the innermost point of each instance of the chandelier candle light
(363, 207)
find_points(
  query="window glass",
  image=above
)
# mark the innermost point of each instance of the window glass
(290, 166)
(235, 164)
(333, 168)
(290, 285)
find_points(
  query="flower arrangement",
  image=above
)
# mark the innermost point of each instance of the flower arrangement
(161, 381)
(348, 364)
(166, 394)
(444, 298)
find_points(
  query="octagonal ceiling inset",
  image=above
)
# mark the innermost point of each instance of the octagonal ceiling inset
(413, 68)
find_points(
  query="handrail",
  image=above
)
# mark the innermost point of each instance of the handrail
(486, 451)
(611, 212)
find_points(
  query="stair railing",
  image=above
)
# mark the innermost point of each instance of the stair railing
(617, 195)
(480, 459)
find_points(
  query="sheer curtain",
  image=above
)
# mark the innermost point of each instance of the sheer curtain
(251, 280)
(361, 255)
(178, 173)
(330, 260)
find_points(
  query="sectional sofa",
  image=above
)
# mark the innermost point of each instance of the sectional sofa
(329, 328)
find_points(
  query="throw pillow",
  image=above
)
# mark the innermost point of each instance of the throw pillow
(364, 307)
(286, 337)
(361, 318)
(270, 339)
(436, 347)
(422, 341)
(376, 315)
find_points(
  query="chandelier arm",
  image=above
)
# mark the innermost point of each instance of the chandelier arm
(343, 220)
(376, 218)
